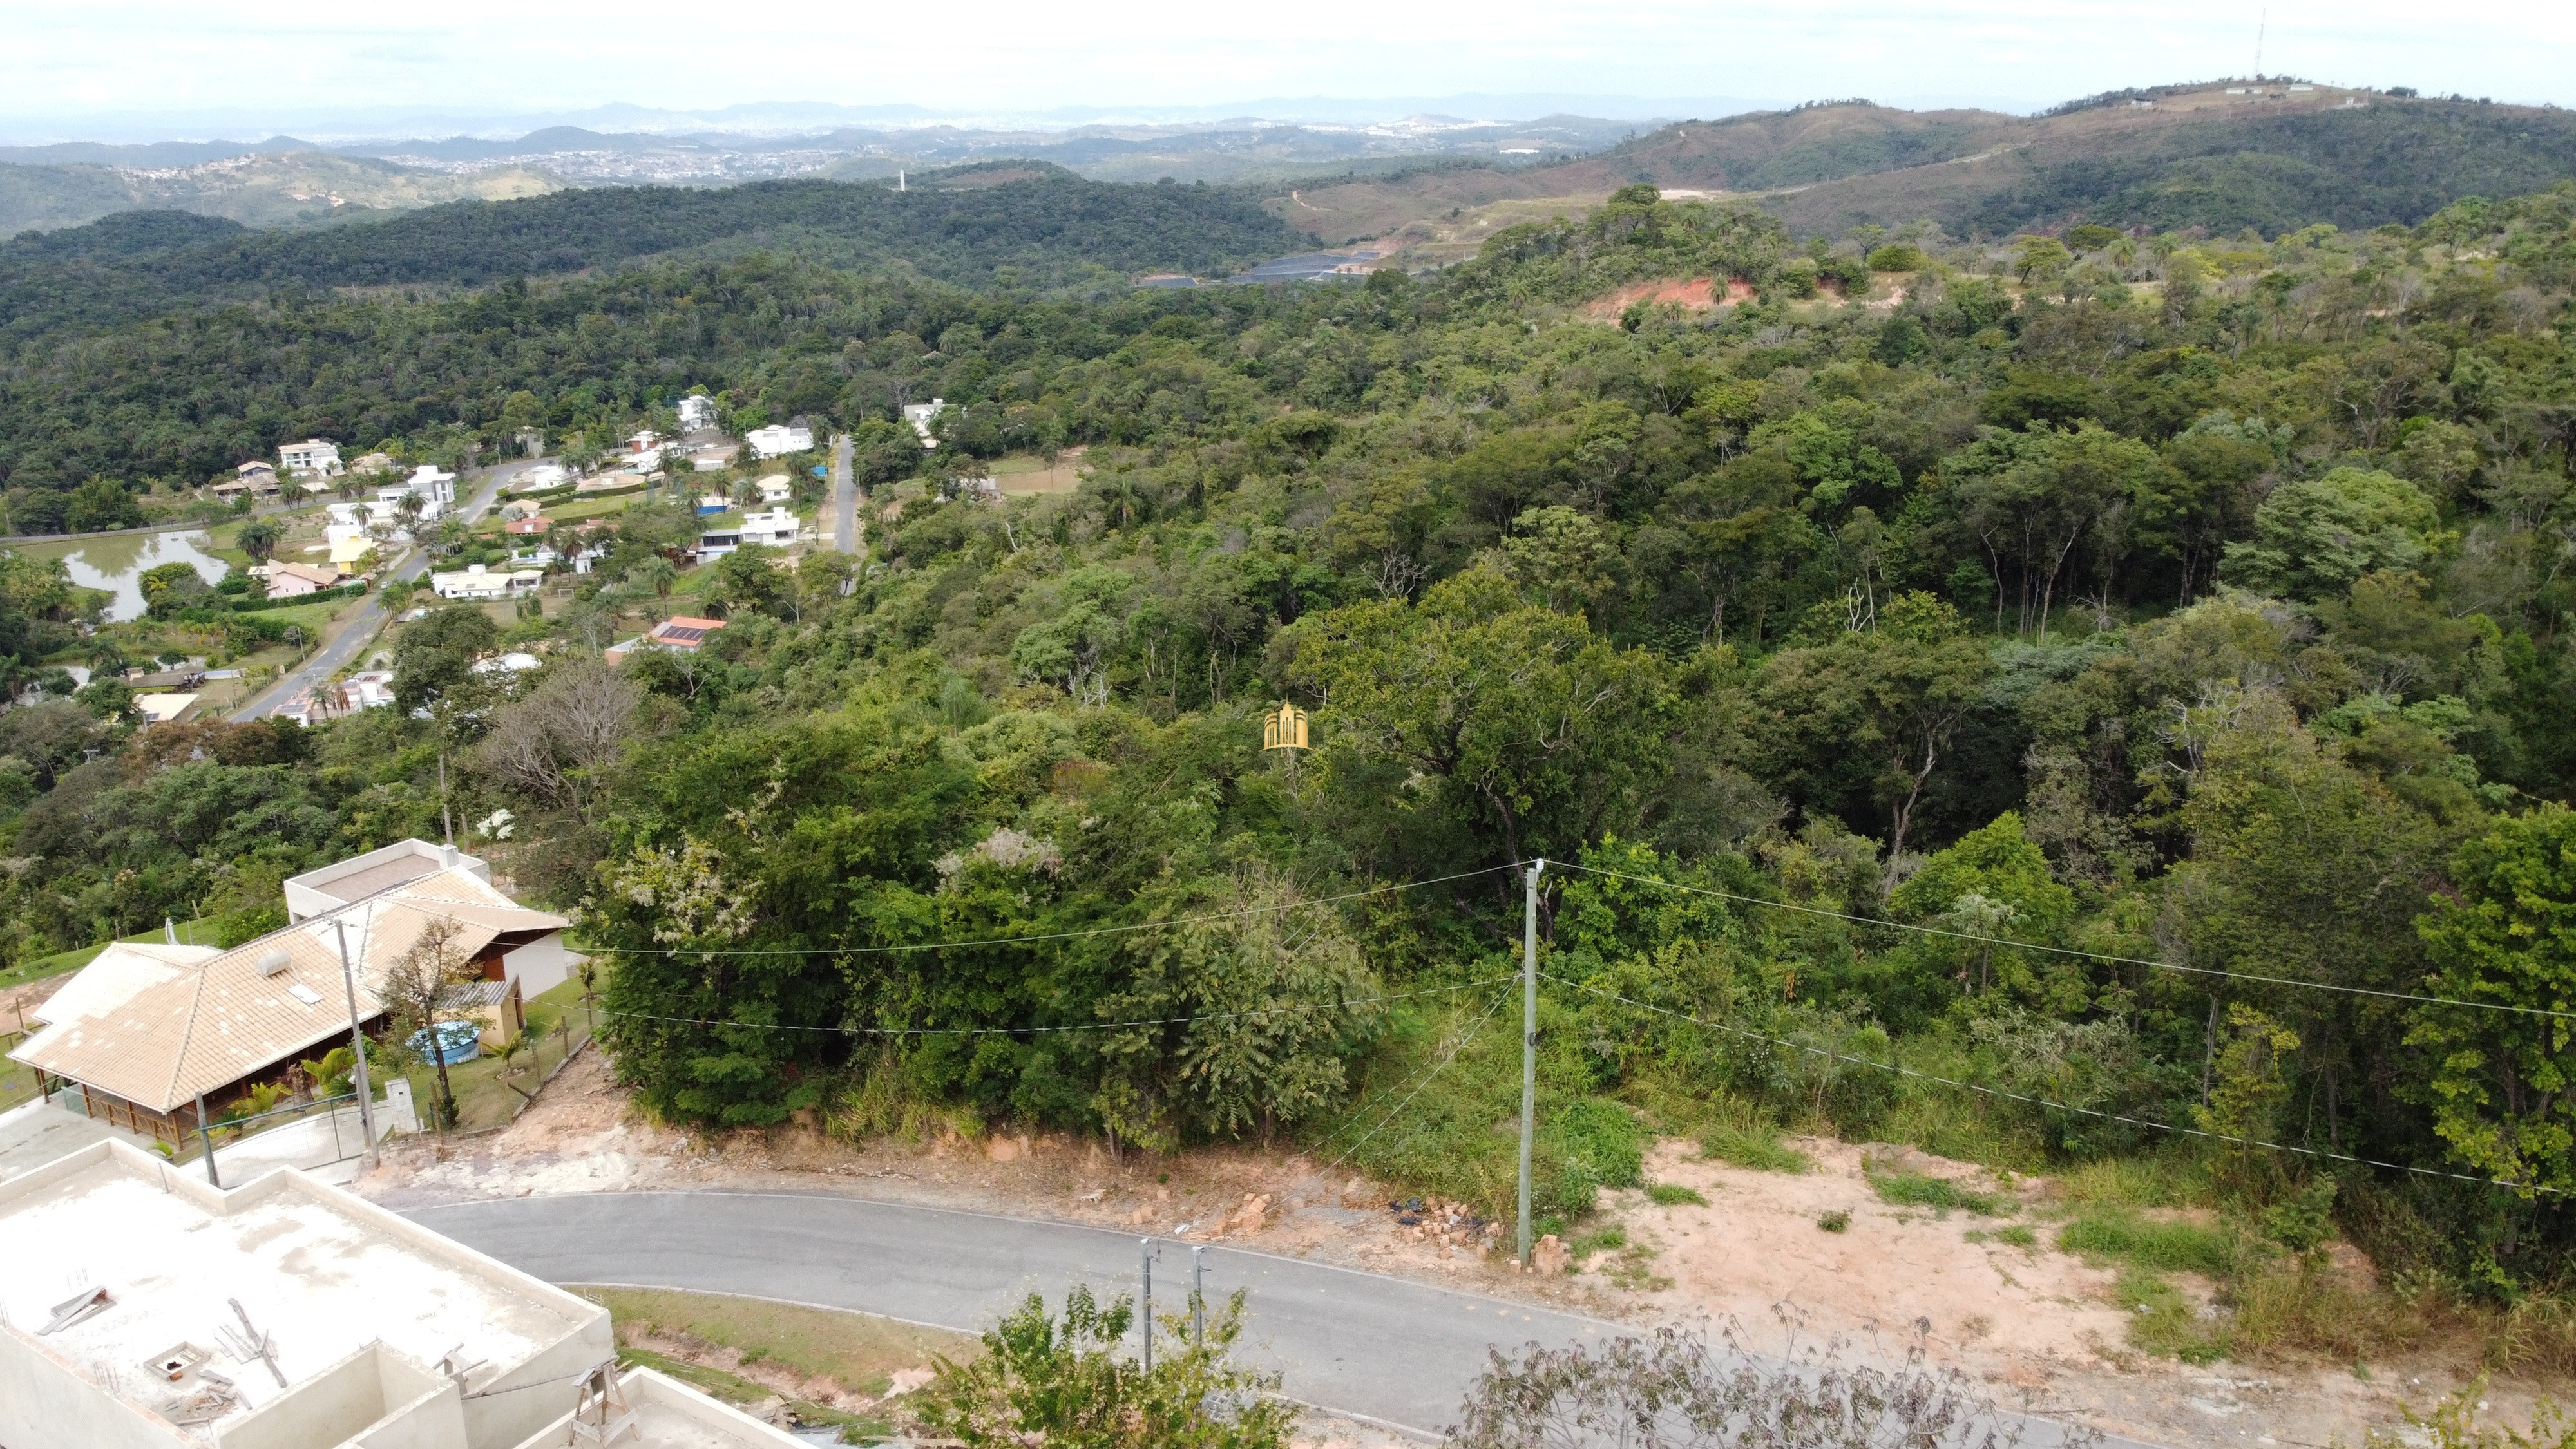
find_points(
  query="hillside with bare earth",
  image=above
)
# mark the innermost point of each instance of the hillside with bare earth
(264, 188)
(2269, 158)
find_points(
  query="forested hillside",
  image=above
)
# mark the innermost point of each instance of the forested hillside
(2123, 681)
(1044, 225)
(2167, 158)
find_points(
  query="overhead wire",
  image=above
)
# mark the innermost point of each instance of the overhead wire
(1919, 1074)
(1455, 1046)
(2072, 950)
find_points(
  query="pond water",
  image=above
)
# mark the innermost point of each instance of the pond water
(117, 564)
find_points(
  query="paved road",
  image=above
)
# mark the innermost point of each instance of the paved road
(845, 497)
(1389, 1349)
(361, 629)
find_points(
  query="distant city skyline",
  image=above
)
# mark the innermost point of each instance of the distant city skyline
(160, 69)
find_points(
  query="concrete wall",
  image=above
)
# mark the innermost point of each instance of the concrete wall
(666, 1401)
(540, 966)
(374, 1398)
(47, 1404)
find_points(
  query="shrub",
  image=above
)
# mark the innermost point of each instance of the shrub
(1674, 1387)
(1063, 1381)
(1897, 257)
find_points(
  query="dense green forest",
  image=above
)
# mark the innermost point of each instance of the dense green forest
(2128, 673)
(2357, 168)
(1036, 223)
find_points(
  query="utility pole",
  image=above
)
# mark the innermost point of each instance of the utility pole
(357, 1043)
(1529, 1042)
(206, 1142)
(1145, 1250)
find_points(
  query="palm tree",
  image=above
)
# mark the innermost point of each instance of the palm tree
(259, 538)
(657, 574)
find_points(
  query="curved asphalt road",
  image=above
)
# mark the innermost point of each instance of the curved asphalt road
(362, 627)
(1392, 1350)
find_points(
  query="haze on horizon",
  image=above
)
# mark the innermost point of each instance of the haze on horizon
(80, 72)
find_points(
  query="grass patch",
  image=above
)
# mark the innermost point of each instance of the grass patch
(855, 1350)
(2162, 1320)
(2017, 1235)
(2120, 1234)
(1915, 1189)
(1673, 1194)
(1837, 1221)
(2161, 1179)
(1758, 1148)
(1601, 1241)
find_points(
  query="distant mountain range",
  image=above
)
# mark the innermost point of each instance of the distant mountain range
(284, 181)
(2269, 155)
(2224, 156)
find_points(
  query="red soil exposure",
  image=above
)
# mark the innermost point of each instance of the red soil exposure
(1697, 294)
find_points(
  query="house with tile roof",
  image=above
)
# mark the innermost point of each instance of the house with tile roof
(160, 1045)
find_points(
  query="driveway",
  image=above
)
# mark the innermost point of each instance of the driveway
(1392, 1350)
(362, 626)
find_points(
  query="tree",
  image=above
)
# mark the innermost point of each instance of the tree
(2031, 499)
(100, 504)
(436, 654)
(1063, 1383)
(1874, 710)
(1225, 1057)
(259, 538)
(1517, 718)
(427, 986)
(2314, 536)
(563, 740)
(2500, 1085)
(168, 588)
(1560, 556)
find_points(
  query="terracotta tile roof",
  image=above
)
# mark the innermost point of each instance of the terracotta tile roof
(220, 1019)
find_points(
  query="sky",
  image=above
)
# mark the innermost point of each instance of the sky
(81, 71)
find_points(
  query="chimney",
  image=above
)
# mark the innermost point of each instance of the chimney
(447, 856)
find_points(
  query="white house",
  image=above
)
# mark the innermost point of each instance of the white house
(543, 476)
(920, 416)
(431, 485)
(476, 582)
(697, 413)
(773, 526)
(775, 489)
(312, 457)
(778, 440)
(367, 689)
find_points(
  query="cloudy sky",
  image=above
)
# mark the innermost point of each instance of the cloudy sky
(75, 69)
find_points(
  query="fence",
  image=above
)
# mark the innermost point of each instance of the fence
(310, 1134)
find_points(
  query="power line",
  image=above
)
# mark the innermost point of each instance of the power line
(1455, 1047)
(1046, 1030)
(1049, 936)
(1905, 1071)
(2073, 951)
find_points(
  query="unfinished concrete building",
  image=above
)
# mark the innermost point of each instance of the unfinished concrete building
(287, 1314)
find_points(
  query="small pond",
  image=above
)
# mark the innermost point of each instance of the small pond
(117, 564)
